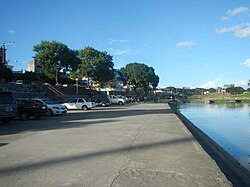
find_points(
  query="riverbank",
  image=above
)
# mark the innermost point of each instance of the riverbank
(236, 173)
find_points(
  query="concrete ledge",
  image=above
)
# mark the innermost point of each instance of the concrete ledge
(237, 174)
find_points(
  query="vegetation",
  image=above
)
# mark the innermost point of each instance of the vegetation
(59, 62)
(201, 95)
(235, 90)
(55, 57)
(6, 74)
(96, 65)
(140, 76)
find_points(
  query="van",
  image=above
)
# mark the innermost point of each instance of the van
(8, 107)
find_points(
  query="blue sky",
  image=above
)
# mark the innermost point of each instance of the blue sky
(190, 43)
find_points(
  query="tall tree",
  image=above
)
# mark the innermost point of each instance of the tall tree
(96, 65)
(55, 57)
(140, 75)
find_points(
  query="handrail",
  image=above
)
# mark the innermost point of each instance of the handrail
(52, 88)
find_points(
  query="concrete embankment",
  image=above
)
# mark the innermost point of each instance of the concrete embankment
(133, 145)
(237, 174)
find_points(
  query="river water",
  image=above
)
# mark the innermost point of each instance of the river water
(228, 125)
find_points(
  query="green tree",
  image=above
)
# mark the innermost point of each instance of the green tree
(140, 75)
(96, 65)
(235, 90)
(55, 57)
(153, 78)
(211, 90)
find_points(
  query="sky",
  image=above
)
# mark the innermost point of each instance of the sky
(190, 43)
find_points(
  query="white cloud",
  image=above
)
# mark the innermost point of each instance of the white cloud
(10, 31)
(247, 62)
(224, 18)
(240, 31)
(223, 30)
(214, 83)
(111, 41)
(241, 83)
(118, 51)
(186, 44)
(237, 10)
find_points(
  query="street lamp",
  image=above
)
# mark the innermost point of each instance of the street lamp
(57, 68)
(76, 86)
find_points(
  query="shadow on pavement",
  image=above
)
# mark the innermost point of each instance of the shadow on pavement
(78, 119)
(80, 157)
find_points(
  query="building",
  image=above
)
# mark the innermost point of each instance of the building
(33, 67)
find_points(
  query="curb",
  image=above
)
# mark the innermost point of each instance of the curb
(235, 173)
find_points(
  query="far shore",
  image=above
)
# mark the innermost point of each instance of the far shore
(218, 98)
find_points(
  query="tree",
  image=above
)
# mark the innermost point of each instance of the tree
(153, 78)
(96, 65)
(55, 57)
(6, 75)
(235, 90)
(211, 90)
(140, 75)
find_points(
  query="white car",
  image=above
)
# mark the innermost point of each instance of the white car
(116, 100)
(80, 103)
(53, 108)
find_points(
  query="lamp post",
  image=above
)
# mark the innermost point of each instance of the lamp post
(76, 86)
(57, 68)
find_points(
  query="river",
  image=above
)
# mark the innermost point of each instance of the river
(228, 125)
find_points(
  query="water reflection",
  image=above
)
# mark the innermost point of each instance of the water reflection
(227, 124)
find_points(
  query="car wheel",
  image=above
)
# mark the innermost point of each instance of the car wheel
(84, 107)
(24, 116)
(50, 113)
(120, 103)
(103, 104)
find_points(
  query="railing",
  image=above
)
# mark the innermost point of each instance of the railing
(52, 88)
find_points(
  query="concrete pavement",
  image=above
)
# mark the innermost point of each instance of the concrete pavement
(135, 145)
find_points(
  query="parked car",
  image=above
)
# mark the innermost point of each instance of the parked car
(127, 98)
(100, 100)
(53, 108)
(80, 103)
(8, 107)
(116, 100)
(28, 108)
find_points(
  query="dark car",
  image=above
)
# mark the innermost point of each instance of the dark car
(27, 108)
(100, 100)
(8, 107)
